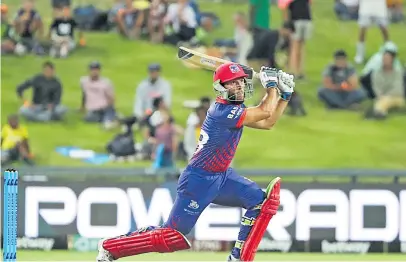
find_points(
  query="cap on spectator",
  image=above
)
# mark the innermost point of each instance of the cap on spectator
(95, 65)
(154, 67)
(340, 54)
(390, 47)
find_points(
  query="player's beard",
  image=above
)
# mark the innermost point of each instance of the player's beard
(236, 96)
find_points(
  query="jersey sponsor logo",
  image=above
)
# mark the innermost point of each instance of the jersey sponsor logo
(235, 112)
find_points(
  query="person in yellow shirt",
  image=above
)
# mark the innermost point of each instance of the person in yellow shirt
(14, 142)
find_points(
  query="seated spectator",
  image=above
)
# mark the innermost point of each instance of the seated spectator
(149, 89)
(98, 97)
(376, 63)
(156, 15)
(181, 23)
(62, 34)
(8, 36)
(340, 84)
(395, 10)
(388, 87)
(46, 99)
(130, 19)
(346, 9)
(27, 23)
(14, 142)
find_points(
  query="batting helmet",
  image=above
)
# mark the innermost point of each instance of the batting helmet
(228, 72)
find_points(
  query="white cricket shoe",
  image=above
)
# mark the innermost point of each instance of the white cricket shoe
(104, 255)
(232, 258)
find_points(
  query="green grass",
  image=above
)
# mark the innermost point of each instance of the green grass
(204, 256)
(322, 139)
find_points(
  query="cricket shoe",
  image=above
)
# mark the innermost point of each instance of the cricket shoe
(104, 255)
(232, 258)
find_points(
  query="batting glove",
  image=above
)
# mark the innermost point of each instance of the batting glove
(268, 77)
(286, 84)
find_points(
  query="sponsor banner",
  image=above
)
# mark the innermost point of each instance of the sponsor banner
(41, 243)
(310, 213)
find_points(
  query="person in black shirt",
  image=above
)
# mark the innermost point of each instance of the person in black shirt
(298, 12)
(47, 91)
(62, 34)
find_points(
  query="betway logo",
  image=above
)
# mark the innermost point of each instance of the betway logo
(45, 244)
(267, 244)
(345, 247)
(222, 223)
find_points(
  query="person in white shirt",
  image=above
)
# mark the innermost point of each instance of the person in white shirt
(242, 37)
(150, 88)
(371, 12)
(183, 22)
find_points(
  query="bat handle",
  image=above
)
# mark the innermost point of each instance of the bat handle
(256, 75)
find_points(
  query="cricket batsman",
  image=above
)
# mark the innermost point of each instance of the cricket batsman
(208, 177)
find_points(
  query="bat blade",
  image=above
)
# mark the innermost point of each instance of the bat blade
(208, 62)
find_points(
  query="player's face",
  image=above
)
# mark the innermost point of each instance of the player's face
(235, 89)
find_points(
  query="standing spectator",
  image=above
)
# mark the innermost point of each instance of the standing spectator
(166, 136)
(371, 12)
(27, 23)
(183, 22)
(388, 87)
(340, 84)
(192, 131)
(149, 124)
(298, 12)
(150, 88)
(14, 142)
(46, 99)
(62, 34)
(259, 17)
(98, 97)
(242, 37)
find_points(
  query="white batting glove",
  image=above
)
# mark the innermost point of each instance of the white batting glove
(268, 77)
(286, 84)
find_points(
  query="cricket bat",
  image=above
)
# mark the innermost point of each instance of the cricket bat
(209, 62)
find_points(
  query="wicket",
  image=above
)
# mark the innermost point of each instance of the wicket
(10, 198)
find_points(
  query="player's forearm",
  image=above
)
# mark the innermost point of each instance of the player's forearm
(276, 114)
(268, 101)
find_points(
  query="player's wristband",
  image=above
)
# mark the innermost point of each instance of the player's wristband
(286, 96)
(271, 85)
